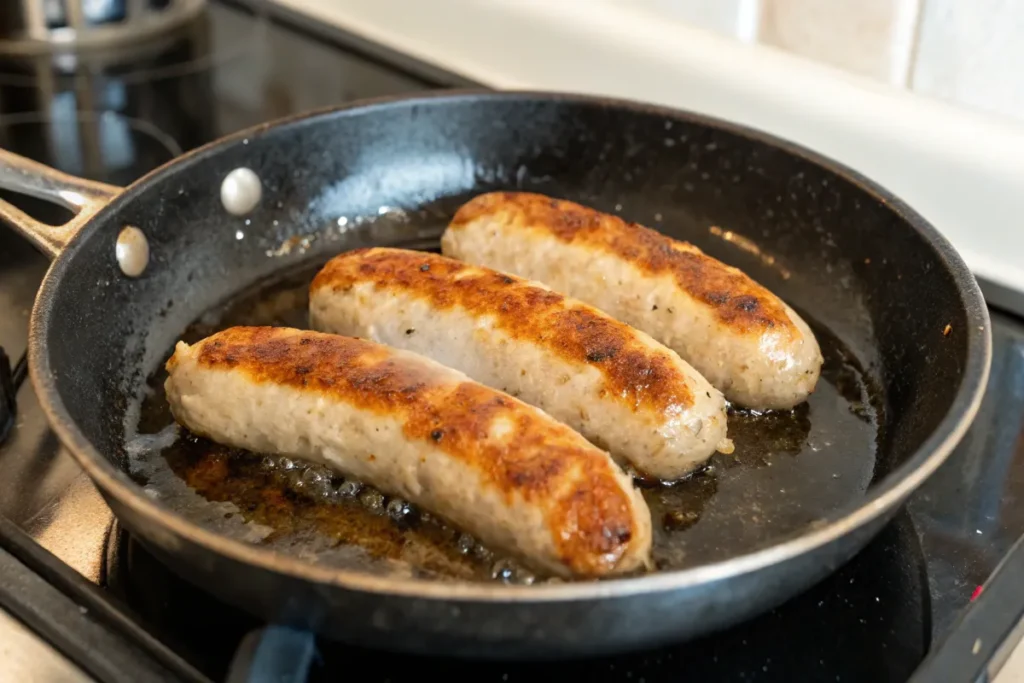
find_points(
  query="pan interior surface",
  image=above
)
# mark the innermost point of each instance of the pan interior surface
(788, 471)
(886, 307)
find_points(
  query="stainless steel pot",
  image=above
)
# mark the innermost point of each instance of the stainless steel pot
(31, 26)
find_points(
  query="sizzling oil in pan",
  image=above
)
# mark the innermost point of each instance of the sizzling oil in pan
(789, 470)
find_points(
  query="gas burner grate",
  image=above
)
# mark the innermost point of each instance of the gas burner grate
(10, 381)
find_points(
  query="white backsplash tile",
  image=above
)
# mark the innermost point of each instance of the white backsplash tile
(968, 52)
(972, 52)
(870, 37)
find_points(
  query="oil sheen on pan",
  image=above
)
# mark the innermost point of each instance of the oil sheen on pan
(789, 470)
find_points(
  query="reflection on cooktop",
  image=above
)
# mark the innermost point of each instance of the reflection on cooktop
(868, 622)
(102, 146)
(972, 510)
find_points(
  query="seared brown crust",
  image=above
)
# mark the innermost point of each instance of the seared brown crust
(590, 522)
(737, 301)
(634, 373)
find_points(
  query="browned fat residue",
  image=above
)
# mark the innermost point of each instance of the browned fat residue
(737, 301)
(632, 371)
(540, 461)
(208, 473)
(261, 494)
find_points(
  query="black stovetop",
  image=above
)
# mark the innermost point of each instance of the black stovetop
(905, 598)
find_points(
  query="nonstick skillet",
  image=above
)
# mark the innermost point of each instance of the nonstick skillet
(903, 327)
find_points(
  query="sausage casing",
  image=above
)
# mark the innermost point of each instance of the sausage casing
(737, 334)
(492, 465)
(613, 384)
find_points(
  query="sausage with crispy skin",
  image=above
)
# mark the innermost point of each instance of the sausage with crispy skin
(741, 337)
(613, 384)
(492, 465)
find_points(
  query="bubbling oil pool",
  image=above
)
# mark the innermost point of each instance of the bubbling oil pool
(320, 516)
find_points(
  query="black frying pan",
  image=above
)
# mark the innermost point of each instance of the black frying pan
(902, 323)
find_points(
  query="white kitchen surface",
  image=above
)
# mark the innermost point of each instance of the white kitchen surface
(1013, 670)
(961, 169)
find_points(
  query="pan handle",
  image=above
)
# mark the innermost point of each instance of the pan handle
(83, 197)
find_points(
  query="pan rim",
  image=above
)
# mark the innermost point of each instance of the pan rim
(891, 491)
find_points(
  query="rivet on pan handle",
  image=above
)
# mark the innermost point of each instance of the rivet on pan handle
(81, 196)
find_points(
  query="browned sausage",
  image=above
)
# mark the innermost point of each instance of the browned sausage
(741, 337)
(492, 465)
